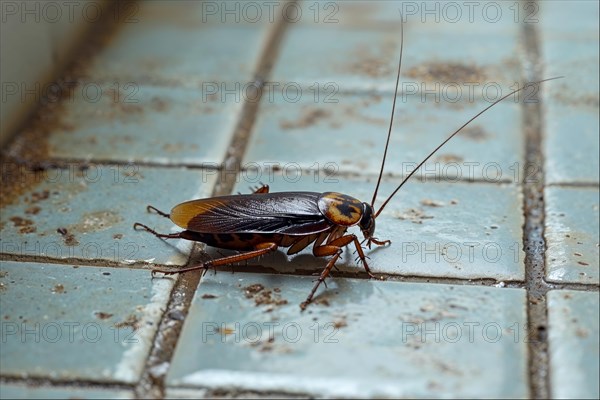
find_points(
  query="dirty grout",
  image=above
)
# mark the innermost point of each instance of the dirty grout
(533, 229)
(152, 384)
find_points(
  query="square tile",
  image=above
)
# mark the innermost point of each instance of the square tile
(571, 145)
(129, 122)
(360, 59)
(88, 215)
(246, 332)
(574, 338)
(175, 45)
(350, 135)
(572, 253)
(78, 323)
(569, 46)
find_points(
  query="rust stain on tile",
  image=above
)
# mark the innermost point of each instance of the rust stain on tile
(447, 72)
(309, 117)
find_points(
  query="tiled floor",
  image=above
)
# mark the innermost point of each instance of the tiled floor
(432, 338)
(168, 109)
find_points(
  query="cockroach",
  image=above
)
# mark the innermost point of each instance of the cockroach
(261, 222)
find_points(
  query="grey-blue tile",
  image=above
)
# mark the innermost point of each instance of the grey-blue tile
(485, 61)
(569, 46)
(572, 252)
(466, 231)
(16, 391)
(367, 14)
(367, 59)
(361, 338)
(349, 58)
(571, 146)
(78, 323)
(71, 214)
(129, 122)
(467, 18)
(349, 136)
(575, 18)
(162, 44)
(573, 344)
(577, 59)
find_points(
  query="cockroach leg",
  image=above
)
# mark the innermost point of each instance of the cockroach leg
(378, 242)
(334, 248)
(152, 208)
(361, 255)
(323, 251)
(160, 235)
(261, 249)
(260, 189)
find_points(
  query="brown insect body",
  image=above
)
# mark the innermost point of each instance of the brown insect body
(288, 219)
(261, 222)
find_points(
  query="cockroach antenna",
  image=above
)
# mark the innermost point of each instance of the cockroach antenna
(454, 134)
(443, 143)
(387, 142)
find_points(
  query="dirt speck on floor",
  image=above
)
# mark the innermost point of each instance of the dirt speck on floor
(309, 117)
(340, 323)
(251, 290)
(374, 64)
(432, 203)
(476, 133)
(25, 225)
(102, 315)
(449, 158)
(58, 288)
(96, 221)
(132, 322)
(414, 215)
(33, 210)
(447, 72)
(263, 296)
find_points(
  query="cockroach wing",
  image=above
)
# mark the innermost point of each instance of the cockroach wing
(290, 213)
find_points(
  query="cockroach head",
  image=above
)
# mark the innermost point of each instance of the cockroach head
(367, 222)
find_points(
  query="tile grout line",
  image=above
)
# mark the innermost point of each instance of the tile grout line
(152, 381)
(243, 130)
(37, 170)
(386, 276)
(534, 243)
(81, 384)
